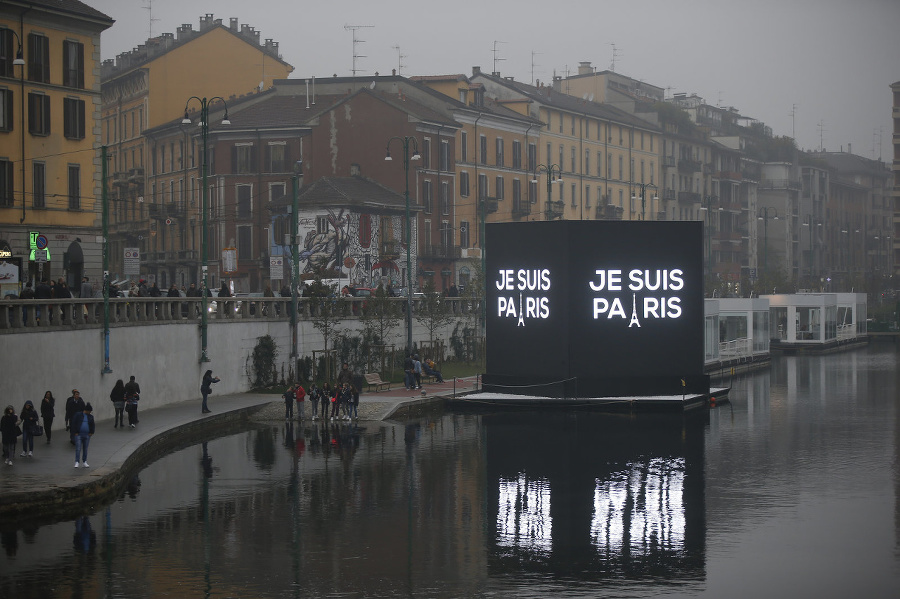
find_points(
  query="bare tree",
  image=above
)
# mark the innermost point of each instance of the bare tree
(433, 311)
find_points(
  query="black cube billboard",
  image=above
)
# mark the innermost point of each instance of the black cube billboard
(595, 308)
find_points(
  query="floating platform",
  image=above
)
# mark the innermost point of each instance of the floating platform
(689, 401)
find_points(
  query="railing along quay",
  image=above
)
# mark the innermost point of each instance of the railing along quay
(19, 316)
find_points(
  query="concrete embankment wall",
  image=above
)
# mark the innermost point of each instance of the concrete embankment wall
(164, 358)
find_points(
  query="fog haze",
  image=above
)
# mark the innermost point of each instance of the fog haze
(829, 62)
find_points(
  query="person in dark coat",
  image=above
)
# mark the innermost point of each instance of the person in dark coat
(132, 395)
(83, 425)
(74, 405)
(325, 397)
(117, 397)
(224, 291)
(48, 413)
(29, 418)
(154, 290)
(173, 291)
(9, 434)
(206, 389)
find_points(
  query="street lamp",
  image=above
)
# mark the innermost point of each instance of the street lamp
(550, 170)
(764, 216)
(643, 187)
(204, 135)
(405, 142)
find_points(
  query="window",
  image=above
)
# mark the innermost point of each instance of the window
(74, 187)
(464, 184)
(38, 114)
(446, 236)
(426, 235)
(587, 162)
(548, 155)
(599, 164)
(243, 159)
(574, 164)
(38, 58)
(621, 169)
(517, 194)
(276, 191)
(483, 157)
(321, 225)
(276, 157)
(532, 157)
(244, 201)
(499, 151)
(245, 243)
(574, 196)
(445, 156)
(587, 196)
(426, 196)
(6, 109)
(73, 118)
(464, 234)
(426, 153)
(517, 154)
(560, 163)
(8, 49)
(483, 189)
(6, 182)
(464, 146)
(573, 125)
(38, 185)
(560, 122)
(499, 190)
(73, 64)
(445, 197)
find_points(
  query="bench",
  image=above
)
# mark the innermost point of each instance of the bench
(374, 380)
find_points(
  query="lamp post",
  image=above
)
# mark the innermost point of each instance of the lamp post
(204, 207)
(105, 223)
(296, 183)
(643, 187)
(764, 216)
(708, 210)
(405, 143)
(550, 170)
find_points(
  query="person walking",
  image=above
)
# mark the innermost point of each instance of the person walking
(86, 290)
(29, 418)
(117, 397)
(417, 371)
(83, 423)
(74, 405)
(48, 412)
(288, 403)
(9, 432)
(314, 398)
(206, 389)
(325, 398)
(132, 396)
(300, 396)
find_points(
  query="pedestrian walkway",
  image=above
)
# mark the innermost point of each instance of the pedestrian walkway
(48, 482)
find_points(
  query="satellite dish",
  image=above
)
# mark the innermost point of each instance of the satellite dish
(591, 98)
(140, 198)
(261, 85)
(584, 97)
(372, 85)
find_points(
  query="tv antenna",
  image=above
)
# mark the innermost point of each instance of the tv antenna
(356, 41)
(793, 116)
(533, 64)
(615, 55)
(496, 58)
(400, 58)
(150, 19)
(821, 126)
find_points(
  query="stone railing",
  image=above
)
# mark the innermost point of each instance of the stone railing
(19, 316)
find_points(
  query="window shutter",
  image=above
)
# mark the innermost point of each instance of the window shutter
(81, 121)
(234, 159)
(80, 75)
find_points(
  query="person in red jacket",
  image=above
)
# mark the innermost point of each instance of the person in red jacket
(300, 396)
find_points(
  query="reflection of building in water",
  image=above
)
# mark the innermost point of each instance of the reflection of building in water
(523, 517)
(597, 495)
(640, 507)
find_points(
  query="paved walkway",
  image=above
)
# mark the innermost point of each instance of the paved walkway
(49, 482)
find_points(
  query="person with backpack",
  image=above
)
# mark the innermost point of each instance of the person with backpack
(288, 397)
(300, 396)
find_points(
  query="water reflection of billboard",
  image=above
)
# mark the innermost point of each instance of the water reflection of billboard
(597, 496)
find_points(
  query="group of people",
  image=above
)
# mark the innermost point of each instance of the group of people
(413, 369)
(341, 400)
(125, 397)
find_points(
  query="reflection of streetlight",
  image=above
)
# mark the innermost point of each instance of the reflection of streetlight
(204, 132)
(405, 142)
(644, 187)
(550, 170)
(764, 216)
(812, 256)
(708, 210)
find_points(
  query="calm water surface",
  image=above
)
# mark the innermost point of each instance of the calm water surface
(788, 491)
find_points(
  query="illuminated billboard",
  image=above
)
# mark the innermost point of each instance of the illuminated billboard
(595, 308)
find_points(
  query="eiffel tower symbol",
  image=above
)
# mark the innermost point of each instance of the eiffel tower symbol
(521, 316)
(634, 318)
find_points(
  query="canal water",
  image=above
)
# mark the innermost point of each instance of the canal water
(789, 490)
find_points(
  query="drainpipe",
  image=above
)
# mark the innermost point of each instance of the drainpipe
(22, 101)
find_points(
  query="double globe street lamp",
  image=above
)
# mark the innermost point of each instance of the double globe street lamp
(204, 206)
(553, 170)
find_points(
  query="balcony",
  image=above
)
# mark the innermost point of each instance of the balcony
(686, 165)
(175, 209)
(188, 256)
(136, 176)
(555, 209)
(660, 215)
(521, 208)
(669, 194)
(390, 250)
(779, 184)
(609, 212)
(668, 161)
(491, 205)
(444, 252)
(157, 211)
(688, 197)
(120, 180)
(729, 175)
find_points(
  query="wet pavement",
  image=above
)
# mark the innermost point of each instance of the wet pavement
(49, 482)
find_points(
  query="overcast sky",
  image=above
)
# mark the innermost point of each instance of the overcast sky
(830, 62)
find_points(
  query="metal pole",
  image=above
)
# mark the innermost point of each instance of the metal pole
(105, 200)
(295, 266)
(204, 206)
(409, 290)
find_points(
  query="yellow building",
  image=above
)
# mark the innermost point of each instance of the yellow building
(49, 139)
(155, 188)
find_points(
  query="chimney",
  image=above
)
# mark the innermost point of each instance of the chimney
(355, 171)
(233, 24)
(849, 148)
(206, 22)
(476, 71)
(584, 68)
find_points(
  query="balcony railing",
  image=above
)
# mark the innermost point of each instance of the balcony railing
(447, 252)
(609, 212)
(390, 249)
(730, 175)
(491, 204)
(556, 209)
(686, 165)
(668, 161)
(688, 197)
(779, 184)
(521, 208)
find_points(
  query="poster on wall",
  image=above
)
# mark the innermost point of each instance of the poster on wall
(229, 260)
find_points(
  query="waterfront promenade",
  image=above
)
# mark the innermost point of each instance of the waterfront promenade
(48, 484)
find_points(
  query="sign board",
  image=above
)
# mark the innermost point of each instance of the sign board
(229, 259)
(37, 241)
(40, 255)
(276, 267)
(615, 307)
(132, 262)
